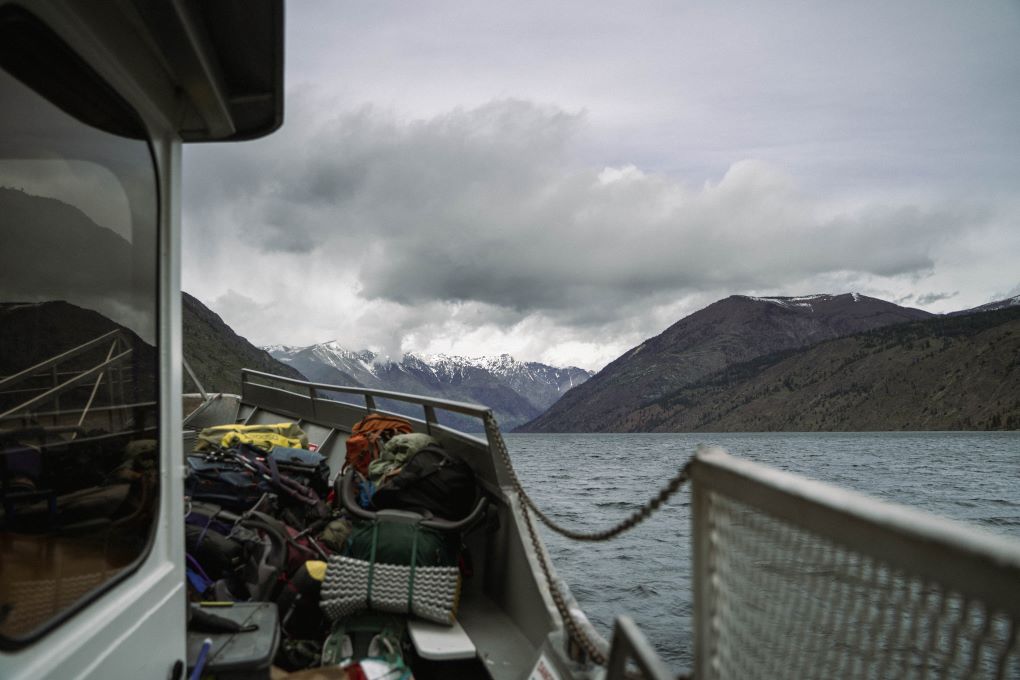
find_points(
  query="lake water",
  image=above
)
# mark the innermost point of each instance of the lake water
(589, 481)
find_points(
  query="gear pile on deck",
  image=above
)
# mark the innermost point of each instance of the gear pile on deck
(346, 562)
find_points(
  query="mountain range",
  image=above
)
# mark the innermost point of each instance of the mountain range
(742, 363)
(812, 363)
(32, 332)
(516, 391)
(809, 363)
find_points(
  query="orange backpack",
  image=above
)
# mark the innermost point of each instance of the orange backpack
(363, 444)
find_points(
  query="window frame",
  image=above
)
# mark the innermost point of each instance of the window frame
(68, 59)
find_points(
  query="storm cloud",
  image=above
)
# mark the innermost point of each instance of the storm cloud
(482, 205)
(497, 226)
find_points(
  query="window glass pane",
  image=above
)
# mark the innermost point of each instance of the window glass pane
(79, 461)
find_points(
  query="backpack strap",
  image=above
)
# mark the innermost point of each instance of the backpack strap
(371, 560)
(414, 563)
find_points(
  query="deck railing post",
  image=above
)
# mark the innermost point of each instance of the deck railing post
(630, 644)
(110, 395)
(702, 580)
(430, 418)
(194, 379)
(369, 402)
(56, 381)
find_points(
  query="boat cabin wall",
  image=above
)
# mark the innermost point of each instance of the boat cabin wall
(112, 630)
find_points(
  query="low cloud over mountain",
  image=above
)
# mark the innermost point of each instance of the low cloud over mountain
(517, 391)
(482, 227)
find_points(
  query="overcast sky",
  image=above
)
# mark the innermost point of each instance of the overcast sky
(562, 180)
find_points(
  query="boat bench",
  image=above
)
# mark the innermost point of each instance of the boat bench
(436, 642)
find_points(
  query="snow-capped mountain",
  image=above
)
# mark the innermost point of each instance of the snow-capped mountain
(990, 307)
(806, 301)
(517, 391)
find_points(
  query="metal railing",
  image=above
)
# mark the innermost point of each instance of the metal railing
(631, 646)
(307, 402)
(112, 371)
(190, 372)
(796, 578)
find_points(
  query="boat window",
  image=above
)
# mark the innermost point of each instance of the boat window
(79, 454)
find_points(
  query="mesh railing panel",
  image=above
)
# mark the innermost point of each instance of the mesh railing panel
(787, 602)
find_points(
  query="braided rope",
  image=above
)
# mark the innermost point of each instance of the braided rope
(573, 629)
(528, 506)
(635, 518)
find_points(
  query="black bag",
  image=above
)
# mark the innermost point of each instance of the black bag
(307, 467)
(432, 481)
(224, 482)
(244, 557)
(298, 604)
(219, 555)
(237, 478)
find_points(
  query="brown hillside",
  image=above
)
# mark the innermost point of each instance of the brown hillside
(947, 373)
(217, 354)
(728, 332)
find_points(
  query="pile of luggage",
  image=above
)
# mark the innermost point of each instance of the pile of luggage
(265, 523)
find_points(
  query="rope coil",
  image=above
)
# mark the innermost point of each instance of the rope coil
(579, 636)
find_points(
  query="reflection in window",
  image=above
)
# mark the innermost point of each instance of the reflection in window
(79, 461)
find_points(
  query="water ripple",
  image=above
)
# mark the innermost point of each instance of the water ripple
(591, 481)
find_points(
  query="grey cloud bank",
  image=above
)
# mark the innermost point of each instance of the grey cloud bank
(467, 223)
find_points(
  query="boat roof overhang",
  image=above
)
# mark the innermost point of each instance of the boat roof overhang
(226, 57)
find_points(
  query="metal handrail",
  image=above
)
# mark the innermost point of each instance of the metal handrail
(95, 388)
(426, 402)
(963, 559)
(962, 556)
(60, 358)
(43, 415)
(207, 401)
(194, 379)
(66, 385)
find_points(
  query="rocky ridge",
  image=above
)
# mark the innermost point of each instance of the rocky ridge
(958, 372)
(217, 354)
(517, 391)
(733, 330)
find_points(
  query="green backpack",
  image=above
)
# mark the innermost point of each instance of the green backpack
(395, 541)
